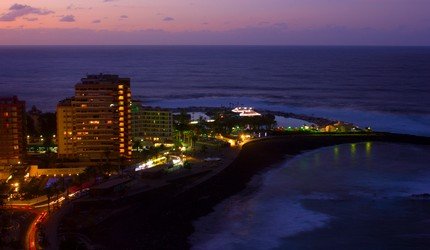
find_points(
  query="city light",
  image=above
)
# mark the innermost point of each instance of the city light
(151, 163)
(245, 111)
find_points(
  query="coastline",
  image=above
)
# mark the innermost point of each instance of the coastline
(167, 223)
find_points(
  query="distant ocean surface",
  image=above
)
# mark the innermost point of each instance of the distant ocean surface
(387, 88)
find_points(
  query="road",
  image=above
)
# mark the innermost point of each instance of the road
(31, 237)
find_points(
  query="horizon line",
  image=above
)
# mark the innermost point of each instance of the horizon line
(211, 45)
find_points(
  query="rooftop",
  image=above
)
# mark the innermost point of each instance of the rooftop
(9, 99)
(102, 78)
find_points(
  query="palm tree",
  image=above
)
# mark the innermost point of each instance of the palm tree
(122, 164)
(49, 194)
(65, 186)
(90, 172)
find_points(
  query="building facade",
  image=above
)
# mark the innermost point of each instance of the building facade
(65, 131)
(95, 125)
(12, 131)
(151, 125)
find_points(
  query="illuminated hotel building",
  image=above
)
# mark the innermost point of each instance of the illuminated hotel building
(12, 131)
(65, 133)
(153, 125)
(96, 123)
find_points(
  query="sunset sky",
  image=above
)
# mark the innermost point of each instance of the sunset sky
(301, 22)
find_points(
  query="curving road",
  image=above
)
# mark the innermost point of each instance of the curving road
(31, 237)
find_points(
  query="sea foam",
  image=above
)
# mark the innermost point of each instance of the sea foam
(275, 204)
(257, 220)
(415, 124)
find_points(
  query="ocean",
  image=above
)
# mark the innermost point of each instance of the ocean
(351, 196)
(386, 88)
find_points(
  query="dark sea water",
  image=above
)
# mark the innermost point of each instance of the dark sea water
(343, 197)
(387, 88)
(352, 196)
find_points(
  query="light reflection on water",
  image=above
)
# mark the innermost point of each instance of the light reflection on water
(353, 149)
(368, 149)
(361, 190)
(336, 152)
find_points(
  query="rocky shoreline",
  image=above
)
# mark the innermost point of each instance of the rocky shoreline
(164, 219)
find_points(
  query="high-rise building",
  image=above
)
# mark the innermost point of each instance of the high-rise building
(65, 132)
(12, 131)
(95, 125)
(152, 125)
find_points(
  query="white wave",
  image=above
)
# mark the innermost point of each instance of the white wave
(417, 124)
(270, 208)
(379, 121)
(256, 221)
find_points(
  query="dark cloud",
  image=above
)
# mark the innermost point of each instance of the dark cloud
(19, 10)
(97, 21)
(168, 19)
(17, 7)
(68, 18)
(123, 16)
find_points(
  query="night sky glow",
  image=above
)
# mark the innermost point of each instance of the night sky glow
(283, 22)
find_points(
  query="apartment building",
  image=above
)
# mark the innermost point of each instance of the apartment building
(152, 125)
(12, 131)
(95, 125)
